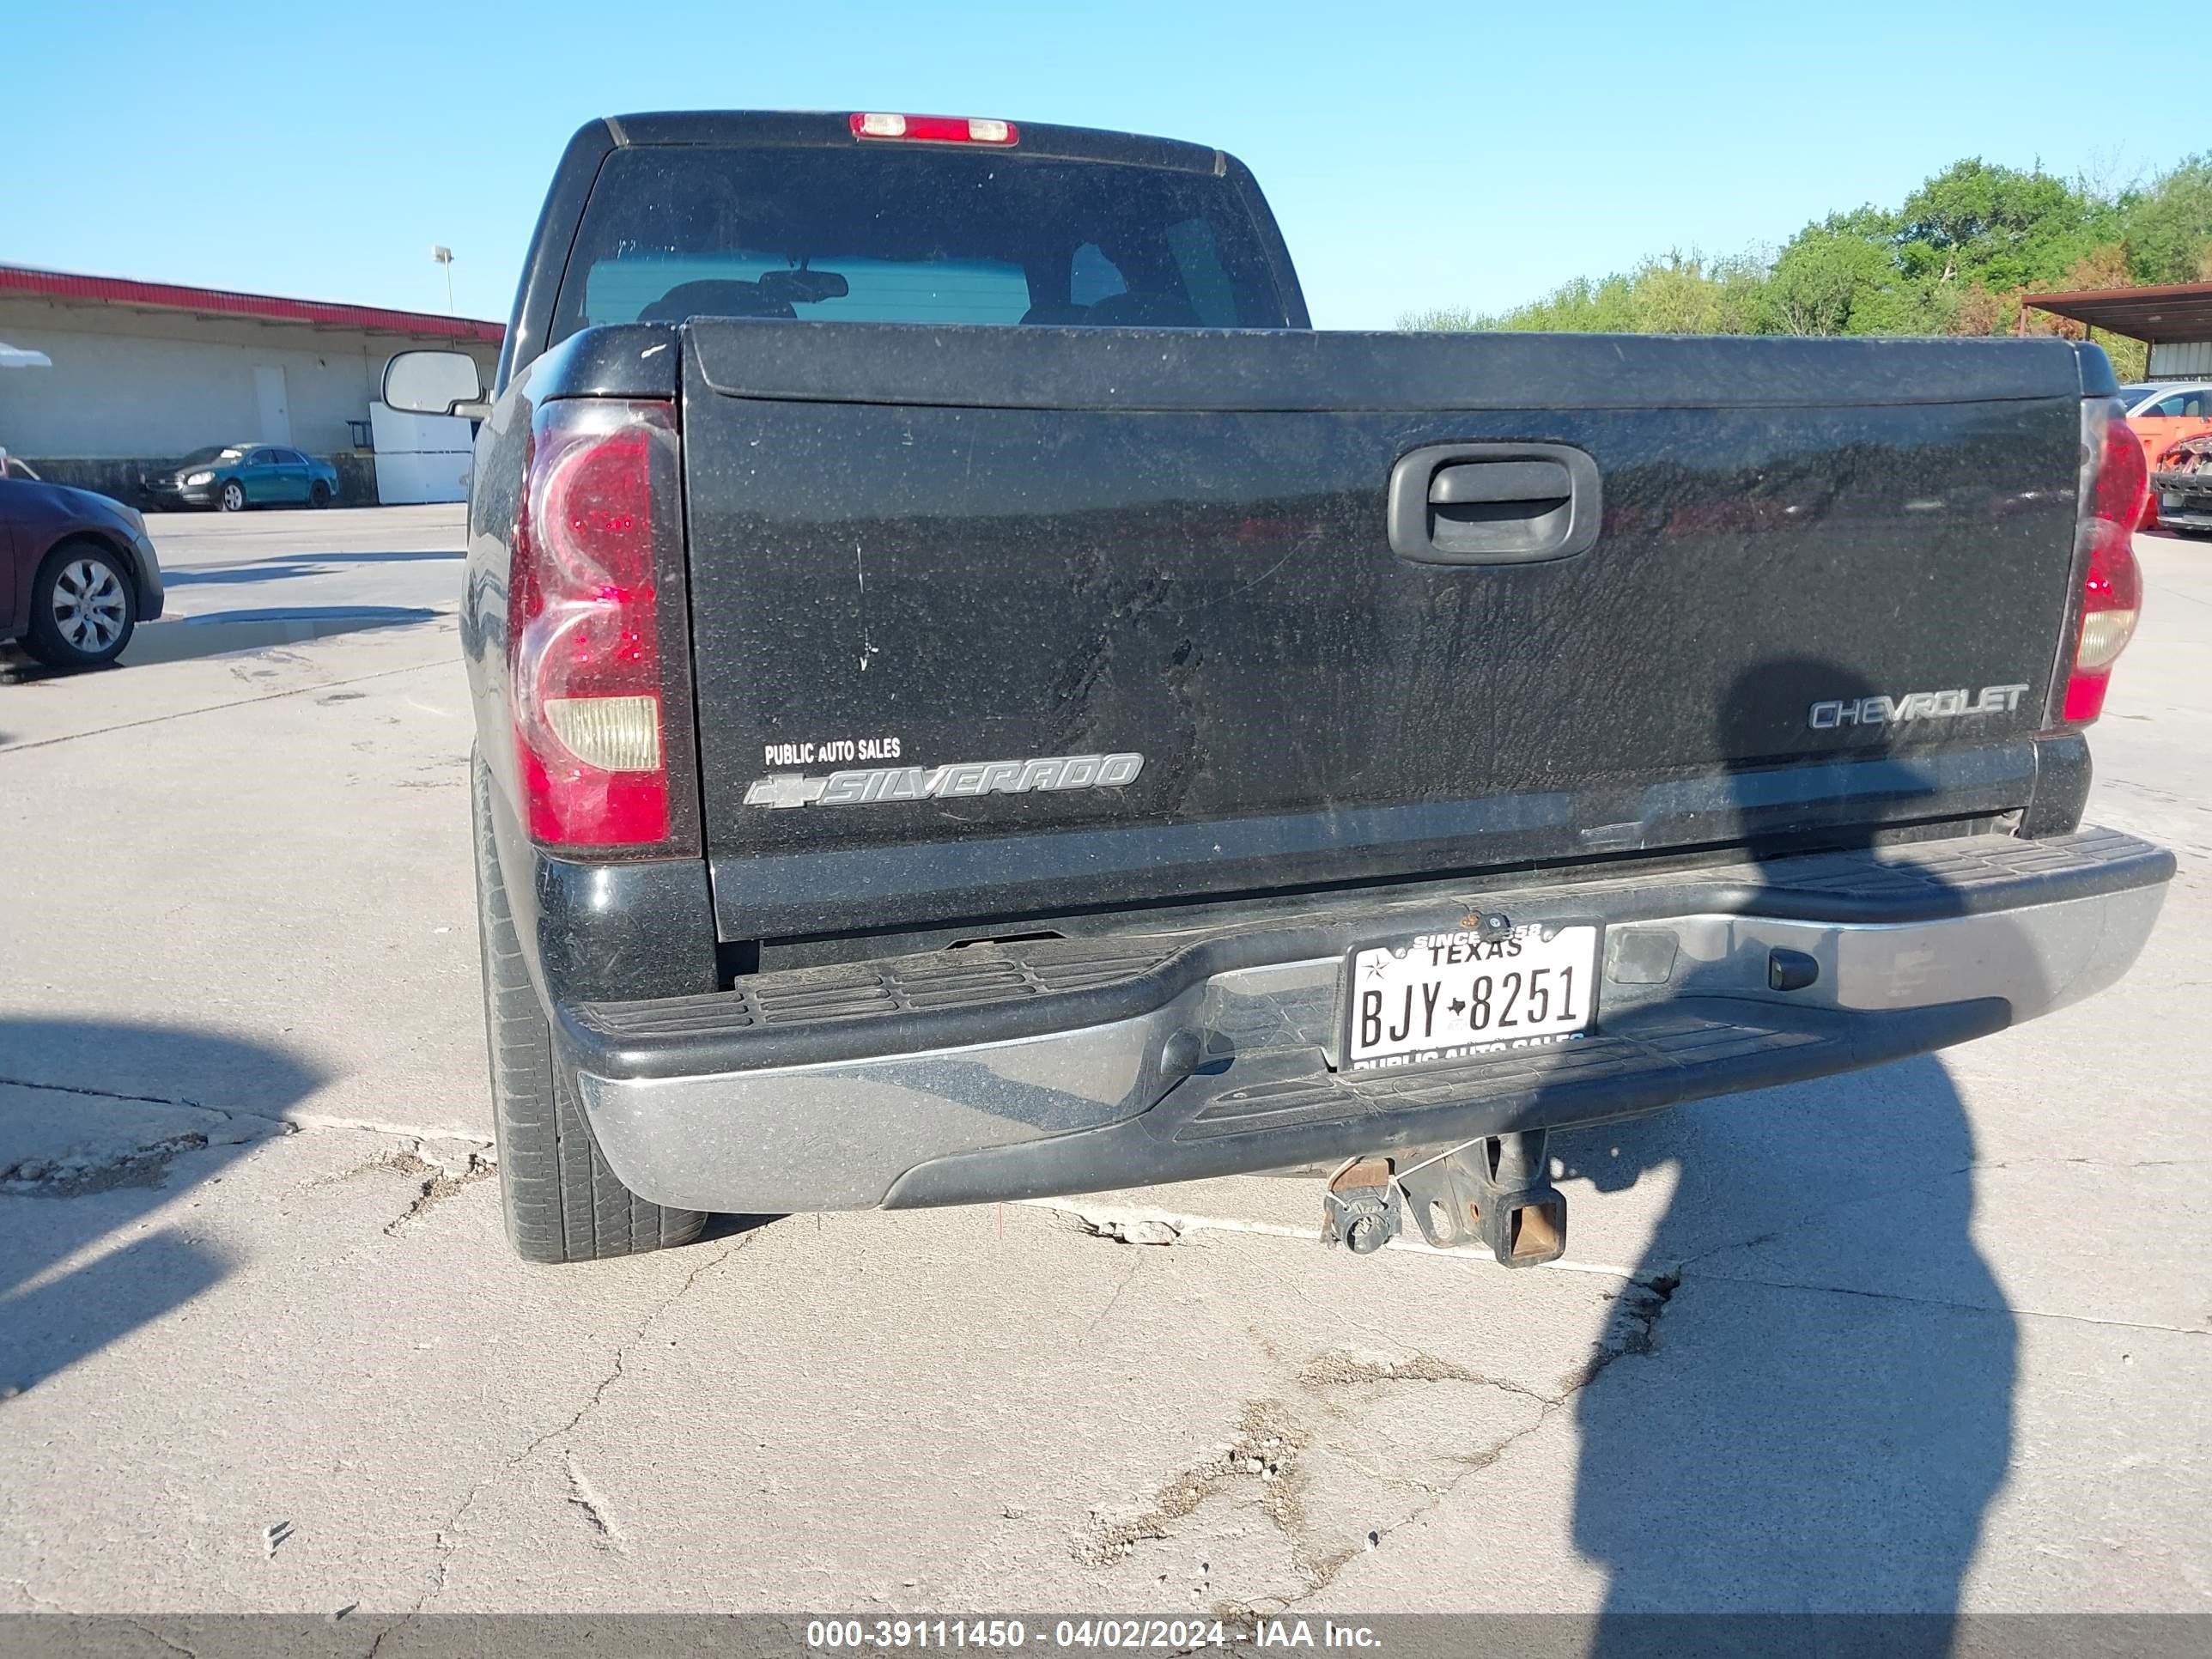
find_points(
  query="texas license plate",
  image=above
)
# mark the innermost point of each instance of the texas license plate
(1455, 996)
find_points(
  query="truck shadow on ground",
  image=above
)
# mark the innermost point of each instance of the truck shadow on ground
(1833, 1413)
(219, 632)
(282, 567)
(103, 1123)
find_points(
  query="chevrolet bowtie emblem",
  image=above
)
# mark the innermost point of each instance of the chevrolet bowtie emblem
(785, 789)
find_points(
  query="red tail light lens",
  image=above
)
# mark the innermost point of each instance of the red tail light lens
(583, 639)
(2115, 479)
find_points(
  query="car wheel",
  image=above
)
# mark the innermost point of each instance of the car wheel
(231, 498)
(560, 1200)
(83, 608)
(319, 494)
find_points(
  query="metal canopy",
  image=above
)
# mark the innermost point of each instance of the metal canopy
(2181, 311)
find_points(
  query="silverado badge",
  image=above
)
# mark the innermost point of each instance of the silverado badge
(874, 784)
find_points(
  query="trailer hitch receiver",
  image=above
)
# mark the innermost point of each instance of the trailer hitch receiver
(1496, 1192)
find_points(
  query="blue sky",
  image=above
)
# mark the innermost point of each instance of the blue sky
(1417, 155)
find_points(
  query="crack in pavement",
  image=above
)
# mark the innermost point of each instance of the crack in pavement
(1637, 1316)
(74, 1175)
(414, 1131)
(446, 1544)
(291, 1124)
(1631, 1332)
(1339, 1368)
(1273, 1440)
(1135, 1262)
(115, 1094)
(78, 1175)
(1636, 1322)
(437, 1182)
(1266, 1447)
(23, 1586)
(174, 1647)
(1822, 1212)
(2010, 1309)
(1813, 1218)
(605, 1532)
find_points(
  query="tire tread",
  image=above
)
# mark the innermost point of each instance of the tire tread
(560, 1201)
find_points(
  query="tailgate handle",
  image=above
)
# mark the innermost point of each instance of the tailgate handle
(1493, 503)
(1541, 482)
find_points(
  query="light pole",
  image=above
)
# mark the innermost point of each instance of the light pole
(444, 256)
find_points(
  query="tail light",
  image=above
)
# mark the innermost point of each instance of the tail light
(2115, 479)
(586, 681)
(937, 129)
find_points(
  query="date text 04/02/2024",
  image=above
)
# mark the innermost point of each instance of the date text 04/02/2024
(1007, 1635)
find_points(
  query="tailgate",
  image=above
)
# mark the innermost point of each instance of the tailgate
(1801, 585)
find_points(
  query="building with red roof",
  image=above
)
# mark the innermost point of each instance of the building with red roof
(139, 372)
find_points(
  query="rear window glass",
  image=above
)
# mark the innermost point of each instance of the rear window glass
(911, 236)
(665, 287)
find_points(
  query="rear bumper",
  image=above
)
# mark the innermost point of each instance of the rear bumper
(1072, 1066)
(2182, 501)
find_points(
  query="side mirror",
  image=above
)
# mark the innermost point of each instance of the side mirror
(436, 383)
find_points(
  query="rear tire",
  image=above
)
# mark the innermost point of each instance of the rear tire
(560, 1201)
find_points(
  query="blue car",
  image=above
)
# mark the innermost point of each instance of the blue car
(231, 477)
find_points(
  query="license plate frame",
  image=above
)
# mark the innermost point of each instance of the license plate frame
(1547, 946)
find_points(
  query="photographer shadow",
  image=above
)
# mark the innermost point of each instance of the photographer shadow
(1815, 1409)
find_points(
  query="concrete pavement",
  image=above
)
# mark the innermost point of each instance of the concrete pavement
(1932, 1336)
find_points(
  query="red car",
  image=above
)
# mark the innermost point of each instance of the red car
(77, 571)
(2161, 413)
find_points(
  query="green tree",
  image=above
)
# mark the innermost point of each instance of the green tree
(1956, 258)
(2168, 229)
(2103, 268)
(1997, 226)
(1694, 295)
(1831, 282)
(1682, 294)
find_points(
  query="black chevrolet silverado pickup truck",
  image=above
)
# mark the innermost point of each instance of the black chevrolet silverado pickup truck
(976, 699)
